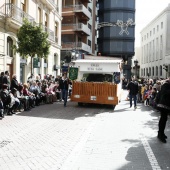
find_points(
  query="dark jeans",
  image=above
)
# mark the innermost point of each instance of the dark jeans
(134, 98)
(162, 121)
(64, 96)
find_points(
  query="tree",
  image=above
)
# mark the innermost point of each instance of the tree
(32, 40)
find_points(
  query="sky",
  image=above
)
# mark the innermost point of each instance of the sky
(146, 11)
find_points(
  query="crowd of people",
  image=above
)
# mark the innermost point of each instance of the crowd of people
(17, 97)
(155, 94)
(146, 92)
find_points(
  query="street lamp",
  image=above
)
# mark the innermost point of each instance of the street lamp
(136, 65)
(74, 55)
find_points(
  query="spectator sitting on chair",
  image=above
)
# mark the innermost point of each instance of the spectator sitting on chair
(14, 82)
(6, 99)
(15, 103)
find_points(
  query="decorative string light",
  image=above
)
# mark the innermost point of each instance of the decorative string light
(123, 25)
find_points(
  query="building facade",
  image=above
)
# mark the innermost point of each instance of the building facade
(44, 12)
(155, 46)
(117, 32)
(78, 28)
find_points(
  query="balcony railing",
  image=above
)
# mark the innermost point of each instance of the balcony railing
(76, 46)
(14, 12)
(77, 8)
(76, 27)
(50, 3)
(50, 32)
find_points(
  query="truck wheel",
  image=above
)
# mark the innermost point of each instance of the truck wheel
(80, 104)
(113, 106)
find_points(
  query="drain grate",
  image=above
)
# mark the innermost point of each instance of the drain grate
(4, 143)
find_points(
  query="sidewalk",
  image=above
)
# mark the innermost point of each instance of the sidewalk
(123, 140)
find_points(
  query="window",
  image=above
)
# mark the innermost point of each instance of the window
(157, 48)
(89, 43)
(153, 71)
(9, 46)
(46, 20)
(161, 47)
(89, 26)
(147, 35)
(149, 71)
(141, 72)
(153, 57)
(160, 70)
(154, 31)
(161, 25)
(150, 48)
(156, 70)
(23, 5)
(90, 10)
(157, 28)
(146, 71)
(56, 32)
(150, 33)
(147, 53)
(39, 15)
(142, 55)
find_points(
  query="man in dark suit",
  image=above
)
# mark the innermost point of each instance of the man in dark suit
(163, 100)
(64, 84)
(133, 91)
(14, 82)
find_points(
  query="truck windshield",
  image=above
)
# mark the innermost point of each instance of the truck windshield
(98, 77)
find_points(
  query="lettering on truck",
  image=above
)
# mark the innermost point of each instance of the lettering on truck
(95, 67)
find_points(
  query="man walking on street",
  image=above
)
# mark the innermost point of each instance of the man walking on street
(163, 105)
(64, 83)
(133, 91)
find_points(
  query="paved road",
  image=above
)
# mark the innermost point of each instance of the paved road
(52, 137)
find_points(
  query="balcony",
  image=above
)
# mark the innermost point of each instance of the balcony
(76, 46)
(82, 28)
(50, 3)
(15, 15)
(51, 36)
(80, 10)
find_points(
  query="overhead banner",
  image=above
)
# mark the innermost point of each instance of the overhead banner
(73, 73)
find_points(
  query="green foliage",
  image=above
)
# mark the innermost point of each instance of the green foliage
(32, 40)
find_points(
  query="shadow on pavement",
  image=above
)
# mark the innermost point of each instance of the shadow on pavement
(71, 111)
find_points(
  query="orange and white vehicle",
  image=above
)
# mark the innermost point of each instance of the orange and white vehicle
(99, 81)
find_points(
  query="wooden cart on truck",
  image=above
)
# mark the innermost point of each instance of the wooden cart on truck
(99, 82)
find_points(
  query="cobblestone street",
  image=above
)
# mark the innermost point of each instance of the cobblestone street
(52, 137)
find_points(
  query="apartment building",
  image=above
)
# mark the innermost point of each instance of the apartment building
(78, 28)
(44, 12)
(117, 41)
(155, 46)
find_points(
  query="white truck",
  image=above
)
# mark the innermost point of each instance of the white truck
(99, 81)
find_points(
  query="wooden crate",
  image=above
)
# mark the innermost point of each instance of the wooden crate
(94, 92)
